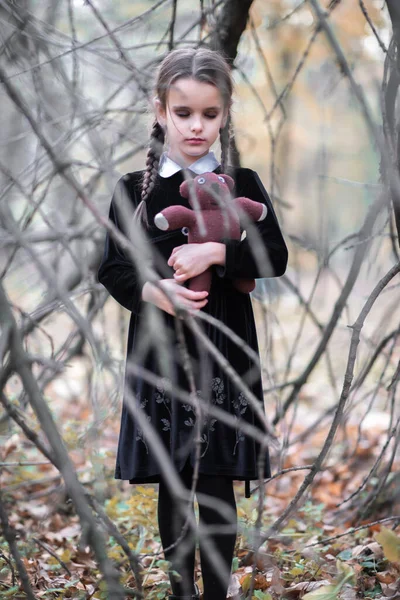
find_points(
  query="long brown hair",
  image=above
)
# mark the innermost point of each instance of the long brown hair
(201, 64)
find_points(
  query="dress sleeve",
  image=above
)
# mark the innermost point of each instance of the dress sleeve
(117, 272)
(272, 260)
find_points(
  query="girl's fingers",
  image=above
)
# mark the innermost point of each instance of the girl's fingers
(199, 305)
(193, 305)
(172, 258)
(192, 295)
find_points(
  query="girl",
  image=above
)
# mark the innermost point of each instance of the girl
(192, 105)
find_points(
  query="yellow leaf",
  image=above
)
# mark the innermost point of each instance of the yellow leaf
(390, 543)
(66, 556)
(111, 507)
(145, 491)
(345, 572)
(246, 583)
(125, 577)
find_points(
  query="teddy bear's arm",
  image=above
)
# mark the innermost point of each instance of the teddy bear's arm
(256, 211)
(174, 217)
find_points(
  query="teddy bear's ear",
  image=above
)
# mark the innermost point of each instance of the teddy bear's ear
(184, 189)
(229, 181)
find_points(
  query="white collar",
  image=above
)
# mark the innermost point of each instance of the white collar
(205, 164)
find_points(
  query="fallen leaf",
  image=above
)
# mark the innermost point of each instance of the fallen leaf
(70, 531)
(325, 592)
(260, 582)
(358, 550)
(10, 445)
(389, 589)
(276, 582)
(348, 593)
(386, 577)
(156, 576)
(390, 543)
(245, 582)
(303, 586)
(234, 587)
(39, 511)
(376, 549)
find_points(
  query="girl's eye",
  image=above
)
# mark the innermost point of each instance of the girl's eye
(221, 179)
(184, 115)
(201, 180)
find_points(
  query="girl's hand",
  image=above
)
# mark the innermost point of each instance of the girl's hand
(186, 298)
(190, 260)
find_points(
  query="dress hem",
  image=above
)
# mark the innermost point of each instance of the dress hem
(155, 478)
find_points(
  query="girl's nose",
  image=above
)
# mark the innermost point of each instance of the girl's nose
(196, 125)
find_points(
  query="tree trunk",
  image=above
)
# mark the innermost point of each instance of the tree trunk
(391, 123)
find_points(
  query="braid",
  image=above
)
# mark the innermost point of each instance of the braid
(157, 138)
(225, 137)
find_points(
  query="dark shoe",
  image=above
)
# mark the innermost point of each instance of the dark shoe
(196, 596)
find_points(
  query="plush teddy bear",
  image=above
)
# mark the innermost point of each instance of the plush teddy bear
(220, 215)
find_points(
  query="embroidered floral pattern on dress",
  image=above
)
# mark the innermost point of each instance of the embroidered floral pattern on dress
(162, 398)
(241, 406)
(139, 432)
(217, 386)
(218, 397)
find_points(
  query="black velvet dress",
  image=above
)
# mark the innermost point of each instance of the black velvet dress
(224, 450)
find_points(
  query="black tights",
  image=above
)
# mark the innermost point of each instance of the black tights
(182, 556)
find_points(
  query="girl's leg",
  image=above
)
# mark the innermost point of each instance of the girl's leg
(217, 488)
(170, 524)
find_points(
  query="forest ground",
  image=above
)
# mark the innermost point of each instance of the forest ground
(312, 552)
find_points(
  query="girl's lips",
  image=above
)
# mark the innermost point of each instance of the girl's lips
(195, 141)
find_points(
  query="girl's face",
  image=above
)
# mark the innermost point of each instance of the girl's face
(193, 117)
